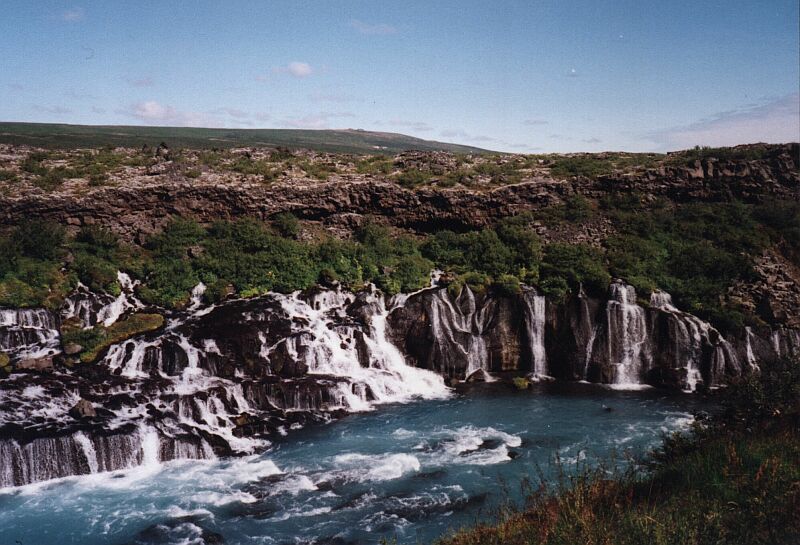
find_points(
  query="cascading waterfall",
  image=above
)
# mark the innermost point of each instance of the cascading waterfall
(627, 335)
(329, 345)
(690, 337)
(535, 324)
(219, 379)
(28, 333)
(92, 308)
(462, 325)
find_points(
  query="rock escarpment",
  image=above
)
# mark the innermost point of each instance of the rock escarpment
(142, 204)
(222, 380)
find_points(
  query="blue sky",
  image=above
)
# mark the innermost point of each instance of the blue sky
(516, 76)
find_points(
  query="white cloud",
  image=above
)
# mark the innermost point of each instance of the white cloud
(374, 29)
(156, 113)
(295, 68)
(774, 121)
(73, 15)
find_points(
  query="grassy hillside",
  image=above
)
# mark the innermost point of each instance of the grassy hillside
(342, 141)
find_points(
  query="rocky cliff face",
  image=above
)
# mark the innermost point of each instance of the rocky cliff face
(140, 204)
(222, 380)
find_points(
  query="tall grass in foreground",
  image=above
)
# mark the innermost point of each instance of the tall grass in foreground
(735, 479)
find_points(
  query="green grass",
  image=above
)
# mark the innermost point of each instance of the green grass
(57, 136)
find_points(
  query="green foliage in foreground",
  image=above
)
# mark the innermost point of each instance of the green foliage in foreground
(733, 481)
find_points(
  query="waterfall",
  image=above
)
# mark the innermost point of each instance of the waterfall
(535, 325)
(29, 333)
(101, 308)
(328, 341)
(627, 336)
(458, 327)
(196, 299)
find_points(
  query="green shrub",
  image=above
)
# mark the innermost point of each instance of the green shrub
(8, 176)
(587, 166)
(51, 179)
(286, 224)
(694, 251)
(573, 265)
(412, 178)
(40, 239)
(507, 285)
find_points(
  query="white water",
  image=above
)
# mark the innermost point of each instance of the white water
(627, 336)
(535, 322)
(329, 348)
(462, 326)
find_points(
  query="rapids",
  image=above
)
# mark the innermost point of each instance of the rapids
(408, 471)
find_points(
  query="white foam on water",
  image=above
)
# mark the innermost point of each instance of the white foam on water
(300, 512)
(211, 497)
(381, 467)
(294, 485)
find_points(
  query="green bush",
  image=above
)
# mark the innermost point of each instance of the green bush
(694, 251)
(8, 176)
(286, 224)
(507, 285)
(412, 178)
(40, 239)
(573, 265)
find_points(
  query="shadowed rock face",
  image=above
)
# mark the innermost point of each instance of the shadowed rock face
(612, 340)
(221, 380)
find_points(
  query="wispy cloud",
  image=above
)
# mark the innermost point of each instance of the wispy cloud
(482, 139)
(321, 120)
(419, 126)
(591, 140)
(231, 112)
(373, 29)
(154, 112)
(295, 68)
(775, 120)
(54, 110)
(141, 82)
(73, 15)
(534, 122)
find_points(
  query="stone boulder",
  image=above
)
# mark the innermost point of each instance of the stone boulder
(82, 409)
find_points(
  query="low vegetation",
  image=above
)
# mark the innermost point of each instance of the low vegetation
(694, 251)
(735, 479)
(96, 339)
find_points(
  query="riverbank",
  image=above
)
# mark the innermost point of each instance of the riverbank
(735, 479)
